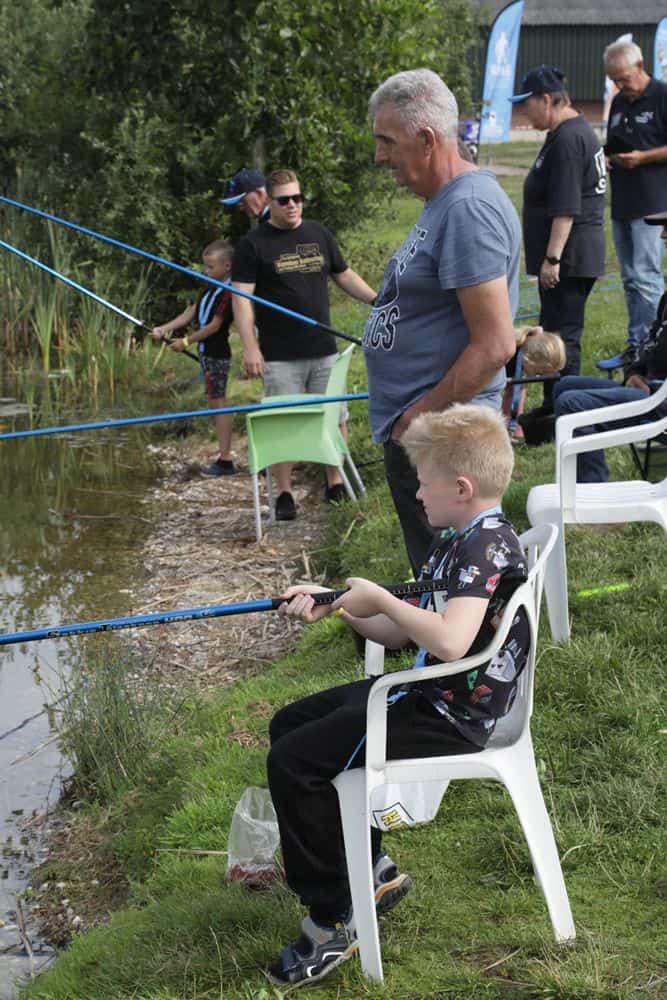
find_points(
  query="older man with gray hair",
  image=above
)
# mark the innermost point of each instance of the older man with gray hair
(636, 150)
(441, 329)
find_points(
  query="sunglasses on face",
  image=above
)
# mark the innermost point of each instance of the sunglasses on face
(285, 199)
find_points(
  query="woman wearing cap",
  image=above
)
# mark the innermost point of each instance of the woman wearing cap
(563, 202)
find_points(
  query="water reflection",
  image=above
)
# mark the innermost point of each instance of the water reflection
(72, 527)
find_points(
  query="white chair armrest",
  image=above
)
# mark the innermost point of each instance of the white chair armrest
(567, 424)
(613, 437)
(567, 455)
(537, 543)
(376, 711)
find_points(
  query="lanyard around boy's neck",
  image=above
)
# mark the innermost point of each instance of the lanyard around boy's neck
(420, 659)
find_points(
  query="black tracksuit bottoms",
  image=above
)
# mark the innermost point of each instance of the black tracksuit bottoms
(562, 311)
(312, 741)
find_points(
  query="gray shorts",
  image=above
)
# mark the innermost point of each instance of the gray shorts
(289, 378)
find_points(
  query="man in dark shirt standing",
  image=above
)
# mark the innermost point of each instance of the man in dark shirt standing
(287, 260)
(637, 153)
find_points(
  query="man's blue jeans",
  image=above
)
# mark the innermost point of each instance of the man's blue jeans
(639, 251)
(576, 393)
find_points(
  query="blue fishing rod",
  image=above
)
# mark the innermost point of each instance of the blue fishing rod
(401, 590)
(156, 418)
(85, 291)
(97, 425)
(179, 267)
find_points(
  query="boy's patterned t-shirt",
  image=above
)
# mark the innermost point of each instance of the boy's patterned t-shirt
(485, 561)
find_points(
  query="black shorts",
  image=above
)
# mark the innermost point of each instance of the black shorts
(216, 373)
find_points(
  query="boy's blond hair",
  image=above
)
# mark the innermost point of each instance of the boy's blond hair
(543, 352)
(465, 440)
(220, 248)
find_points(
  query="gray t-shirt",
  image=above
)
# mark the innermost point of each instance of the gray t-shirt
(468, 233)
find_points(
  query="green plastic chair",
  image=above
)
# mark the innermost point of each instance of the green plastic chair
(300, 434)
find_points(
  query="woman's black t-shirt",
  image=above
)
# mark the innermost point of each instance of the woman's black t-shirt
(568, 178)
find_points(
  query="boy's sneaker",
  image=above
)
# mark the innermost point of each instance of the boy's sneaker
(390, 884)
(285, 507)
(314, 954)
(221, 467)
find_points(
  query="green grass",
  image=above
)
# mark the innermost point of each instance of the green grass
(475, 925)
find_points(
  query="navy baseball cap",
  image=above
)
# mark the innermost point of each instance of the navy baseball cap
(241, 184)
(542, 80)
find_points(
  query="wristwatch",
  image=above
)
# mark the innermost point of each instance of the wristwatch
(552, 260)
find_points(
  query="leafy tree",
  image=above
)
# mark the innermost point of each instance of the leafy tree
(131, 115)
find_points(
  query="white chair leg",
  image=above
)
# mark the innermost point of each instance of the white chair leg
(555, 590)
(269, 495)
(355, 816)
(258, 510)
(524, 787)
(358, 482)
(346, 483)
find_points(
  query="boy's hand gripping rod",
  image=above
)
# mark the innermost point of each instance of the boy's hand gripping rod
(402, 590)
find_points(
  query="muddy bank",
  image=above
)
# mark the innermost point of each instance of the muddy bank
(202, 551)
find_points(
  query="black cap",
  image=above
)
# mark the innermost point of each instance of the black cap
(542, 80)
(659, 219)
(242, 183)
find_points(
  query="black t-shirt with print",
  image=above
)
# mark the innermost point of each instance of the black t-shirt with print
(567, 178)
(290, 267)
(215, 302)
(486, 561)
(640, 124)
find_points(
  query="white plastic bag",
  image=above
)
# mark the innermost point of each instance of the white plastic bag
(397, 806)
(253, 840)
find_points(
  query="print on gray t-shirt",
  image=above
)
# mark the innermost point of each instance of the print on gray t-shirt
(468, 233)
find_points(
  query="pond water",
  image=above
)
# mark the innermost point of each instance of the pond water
(71, 530)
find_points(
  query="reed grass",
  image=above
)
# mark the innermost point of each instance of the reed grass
(51, 329)
(112, 725)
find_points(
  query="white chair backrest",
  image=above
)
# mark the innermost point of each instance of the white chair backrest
(638, 430)
(537, 543)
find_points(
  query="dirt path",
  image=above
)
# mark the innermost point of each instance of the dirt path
(205, 552)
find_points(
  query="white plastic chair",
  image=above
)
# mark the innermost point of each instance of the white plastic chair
(568, 502)
(508, 757)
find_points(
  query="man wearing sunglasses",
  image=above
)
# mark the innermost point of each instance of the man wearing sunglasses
(287, 260)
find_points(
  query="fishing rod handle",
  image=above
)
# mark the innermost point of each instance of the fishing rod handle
(412, 588)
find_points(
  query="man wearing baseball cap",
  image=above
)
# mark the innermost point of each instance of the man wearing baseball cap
(247, 190)
(642, 376)
(563, 213)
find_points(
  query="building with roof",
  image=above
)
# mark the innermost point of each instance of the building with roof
(573, 34)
